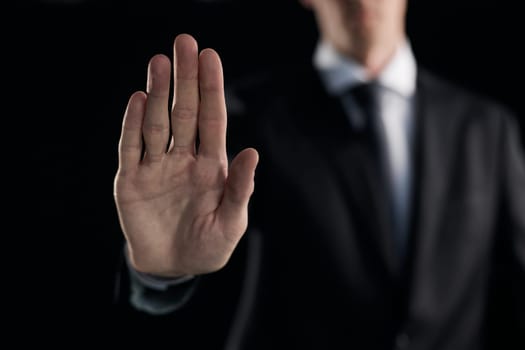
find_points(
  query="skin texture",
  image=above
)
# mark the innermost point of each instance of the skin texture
(183, 209)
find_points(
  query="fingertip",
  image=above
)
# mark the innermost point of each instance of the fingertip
(137, 100)
(210, 67)
(252, 152)
(248, 159)
(185, 36)
(209, 55)
(159, 72)
(253, 157)
(185, 41)
(255, 154)
(138, 96)
(159, 64)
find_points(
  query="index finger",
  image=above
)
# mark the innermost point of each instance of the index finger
(212, 111)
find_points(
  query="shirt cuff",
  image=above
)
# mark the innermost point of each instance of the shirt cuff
(152, 281)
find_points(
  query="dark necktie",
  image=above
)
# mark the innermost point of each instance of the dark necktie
(366, 98)
(367, 102)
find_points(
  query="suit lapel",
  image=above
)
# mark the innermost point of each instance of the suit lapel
(435, 129)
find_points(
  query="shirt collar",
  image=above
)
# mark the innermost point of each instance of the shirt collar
(339, 72)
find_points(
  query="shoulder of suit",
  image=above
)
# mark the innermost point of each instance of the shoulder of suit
(452, 92)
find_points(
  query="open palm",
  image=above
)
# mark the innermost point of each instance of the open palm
(181, 206)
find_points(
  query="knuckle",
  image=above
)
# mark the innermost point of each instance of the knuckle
(184, 112)
(156, 128)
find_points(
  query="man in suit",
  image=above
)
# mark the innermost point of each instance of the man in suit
(389, 209)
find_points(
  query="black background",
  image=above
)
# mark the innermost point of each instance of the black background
(74, 67)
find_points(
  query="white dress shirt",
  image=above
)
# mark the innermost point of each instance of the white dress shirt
(398, 83)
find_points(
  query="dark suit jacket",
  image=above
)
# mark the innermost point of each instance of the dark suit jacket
(317, 268)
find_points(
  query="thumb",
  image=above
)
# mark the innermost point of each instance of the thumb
(233, 210)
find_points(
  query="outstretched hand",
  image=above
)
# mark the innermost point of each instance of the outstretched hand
(181, 206)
